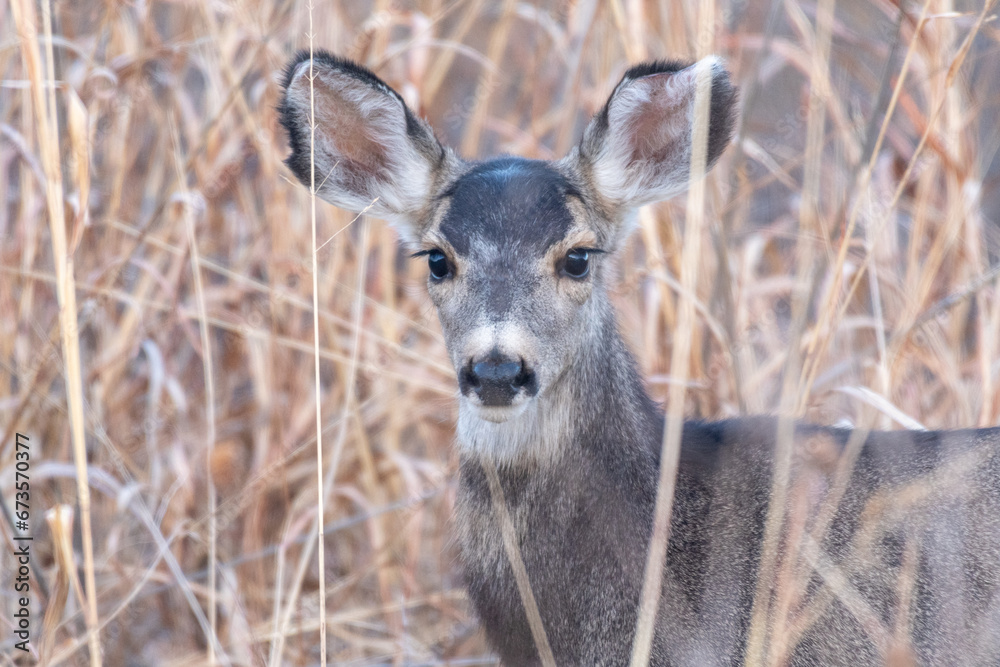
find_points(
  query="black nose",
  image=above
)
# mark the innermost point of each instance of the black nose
(497, 379)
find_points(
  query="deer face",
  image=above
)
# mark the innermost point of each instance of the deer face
(513, 263)
(516, 248)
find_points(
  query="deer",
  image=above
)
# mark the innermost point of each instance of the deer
(555, 420)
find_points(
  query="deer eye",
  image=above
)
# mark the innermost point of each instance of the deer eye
(438, 264)
(576, 264)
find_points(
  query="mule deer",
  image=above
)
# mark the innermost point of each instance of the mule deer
(554, 414)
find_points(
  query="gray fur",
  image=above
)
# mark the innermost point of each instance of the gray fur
(577, 449)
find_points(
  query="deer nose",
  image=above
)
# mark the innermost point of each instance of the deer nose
(497, 379)
(499, 372)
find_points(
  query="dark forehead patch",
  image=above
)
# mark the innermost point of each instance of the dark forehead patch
(508, 202)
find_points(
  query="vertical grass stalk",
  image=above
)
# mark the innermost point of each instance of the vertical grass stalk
(47, 126)
(679, 370)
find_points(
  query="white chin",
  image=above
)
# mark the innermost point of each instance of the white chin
(497, 414)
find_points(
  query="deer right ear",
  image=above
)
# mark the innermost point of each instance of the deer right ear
(637, 149)
(370, 151)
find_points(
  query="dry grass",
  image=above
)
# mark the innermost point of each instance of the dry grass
(854, 248)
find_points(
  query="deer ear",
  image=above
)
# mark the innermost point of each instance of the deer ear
(637, 149)
(370, 151)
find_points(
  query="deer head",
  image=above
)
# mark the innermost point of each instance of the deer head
(517, 249)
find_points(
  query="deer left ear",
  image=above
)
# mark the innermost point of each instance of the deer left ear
(369, 150)
(637, 148)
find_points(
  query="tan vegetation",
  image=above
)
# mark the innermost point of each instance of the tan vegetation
(854, 224)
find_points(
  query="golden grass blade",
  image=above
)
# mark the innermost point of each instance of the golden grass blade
(316, 533)
(60, 521)
(513, 550)
(320, 494)
(77, 124)
(679, 370)
(325, 478)
(46, 124)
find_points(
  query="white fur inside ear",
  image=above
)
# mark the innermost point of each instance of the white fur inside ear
(645, 154)
(364, 158)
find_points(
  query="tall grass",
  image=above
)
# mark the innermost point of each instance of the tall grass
(848, 274)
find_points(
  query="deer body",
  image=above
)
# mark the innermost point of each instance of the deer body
(551, 399)
(584, 519)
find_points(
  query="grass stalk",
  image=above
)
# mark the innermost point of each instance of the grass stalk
(679, 369)
(320, 495)
(46, 124)
(758, 651)
(209, 374)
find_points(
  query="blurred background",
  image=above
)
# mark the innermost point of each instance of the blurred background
(140, 141)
